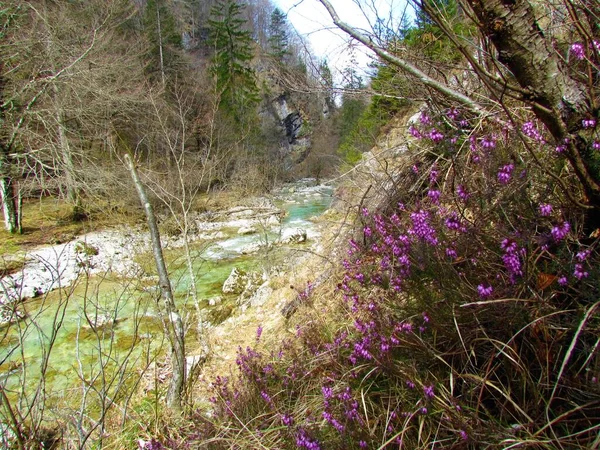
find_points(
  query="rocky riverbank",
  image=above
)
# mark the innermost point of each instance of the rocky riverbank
(243, 229)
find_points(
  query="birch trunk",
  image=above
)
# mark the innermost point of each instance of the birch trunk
(559, 100)
(9, 206)
(174, 322)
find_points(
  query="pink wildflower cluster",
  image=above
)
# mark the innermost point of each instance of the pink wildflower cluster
(530, 130)
(448, 243)
(578, 50)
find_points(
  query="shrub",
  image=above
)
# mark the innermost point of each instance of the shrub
(467, 314)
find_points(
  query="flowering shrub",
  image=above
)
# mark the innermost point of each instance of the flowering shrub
(467, 314)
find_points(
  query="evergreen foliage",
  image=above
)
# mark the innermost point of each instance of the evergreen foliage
(278, 36)
(233, 52)
(327, 82)
(427, 37)
(164, 38)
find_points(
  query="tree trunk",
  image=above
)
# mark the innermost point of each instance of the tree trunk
(9, 204)
(7, 191)
(69, 167)
(160, 46)
(557, 99)
(174, 322)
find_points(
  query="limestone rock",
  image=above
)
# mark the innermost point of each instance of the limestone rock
(296, 236)
(246, 230)
(261, 295)
(236, 282)
(251, 248)
(214, 301)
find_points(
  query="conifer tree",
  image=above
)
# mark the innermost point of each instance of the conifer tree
(327, 81)
(278, 36)
(165, 40)
(233, 51)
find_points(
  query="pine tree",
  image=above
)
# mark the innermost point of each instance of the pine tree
(278, 36)
(233, 51)
(164, 37)
(327, 80)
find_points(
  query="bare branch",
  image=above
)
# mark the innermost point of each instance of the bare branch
(401, 63)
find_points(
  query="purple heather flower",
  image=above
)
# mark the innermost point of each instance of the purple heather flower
(453, 222)
(423, 410)
(560, 148)
(462, 193)
(545, 209)
(463, 435)
(429, 391)
(329, 418)
(362, 444)
(368, 232)
(266, 397)
(259, 331)
(488, 143)
(451, 253)
(504, 174)
(425, 119)
(327, 392)
(435, 135)
(579, 272)
(529, 129)
(588, 123)
(512, 263)
(415, 132)
(562, 281)
(583, 255)
(433, 175)
(421, 227)
(484, 292)
(434, 195)
(152, 444)
(596, 145)
(453, 113)
(560, 231)
(578, 50)
(304, 441)
(410, 384)
(287, 420)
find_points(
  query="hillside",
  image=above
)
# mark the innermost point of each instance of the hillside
(448, 298)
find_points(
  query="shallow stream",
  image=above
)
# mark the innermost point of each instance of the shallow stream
(103, 329)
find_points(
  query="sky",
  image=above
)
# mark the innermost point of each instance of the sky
(311, 20)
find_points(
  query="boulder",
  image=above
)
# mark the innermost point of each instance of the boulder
(261, 295)
(214, 301)
(251, 248)
(274, 219)
(236, 282)
(296, 236)
(246, 230)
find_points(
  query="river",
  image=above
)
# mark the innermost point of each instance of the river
(101, 328)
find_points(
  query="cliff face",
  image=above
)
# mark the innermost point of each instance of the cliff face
(293, 125)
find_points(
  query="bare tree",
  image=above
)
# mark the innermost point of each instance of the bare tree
(527, 66)
(174, 323)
